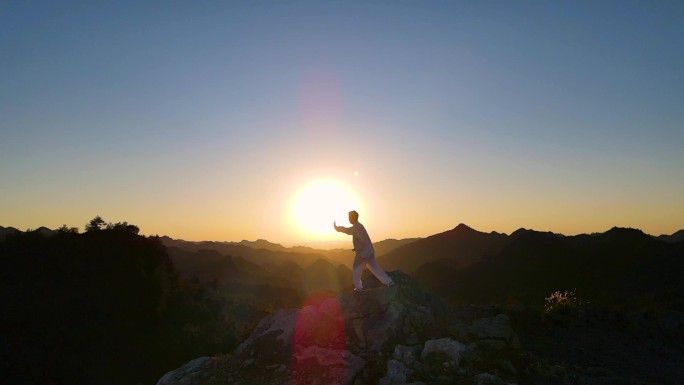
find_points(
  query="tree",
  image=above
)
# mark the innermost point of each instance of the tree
(123, 226)
(68, 230)
(99, 224)
(95, 224)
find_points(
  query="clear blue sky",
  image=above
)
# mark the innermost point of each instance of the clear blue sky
(202, 119)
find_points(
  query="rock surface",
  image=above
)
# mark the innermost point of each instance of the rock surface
(194, 372)
(445, 347)
(385, 335)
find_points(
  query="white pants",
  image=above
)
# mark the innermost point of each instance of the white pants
(360, 264)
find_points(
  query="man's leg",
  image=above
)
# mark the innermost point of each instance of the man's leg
(377, 271)
(357, 270)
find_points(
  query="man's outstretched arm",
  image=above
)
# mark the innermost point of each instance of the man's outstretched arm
(342, 229)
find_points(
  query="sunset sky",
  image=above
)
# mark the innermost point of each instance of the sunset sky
(207, 120)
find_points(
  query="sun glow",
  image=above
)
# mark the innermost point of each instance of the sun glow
(317, 204)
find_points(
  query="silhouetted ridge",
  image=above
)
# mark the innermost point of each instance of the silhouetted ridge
(619, 266)
(523, 231)
(385, 246)
(531, 241)
(463, 228)
(519, 232)
(675, 237)
(262, 244)
(462, 246)
(625, 232)
(628, 238)
(460, 231)
(7, 231)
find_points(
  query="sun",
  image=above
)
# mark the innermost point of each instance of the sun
(318, 203)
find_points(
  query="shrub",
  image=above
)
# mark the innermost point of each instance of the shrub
(561, 302)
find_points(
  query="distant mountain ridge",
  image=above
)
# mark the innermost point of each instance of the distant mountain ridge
(677, 236)
(210, 265)
(6, 231)
(462, 245)
(621, 265)
(458, 248)
(381, 247)
(263, 251)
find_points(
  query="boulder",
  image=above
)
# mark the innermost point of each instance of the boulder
(445, 347)
(486, 379)
(271, 340)
(408, 355)
(495, 329)
(313, 364)
(397, 372)
(194, 372)
(381, 317)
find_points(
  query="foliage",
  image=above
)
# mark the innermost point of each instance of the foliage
(561, 302)
(68, 230)
(99, 224)
(95, 224)
(620, 267)
(123, 226)
(103, 307)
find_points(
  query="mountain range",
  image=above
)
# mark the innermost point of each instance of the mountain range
(619, 266)
(463, 265)
(459, 264)
(623, 291)
(443, 261)
(209, 296)
(462, 245)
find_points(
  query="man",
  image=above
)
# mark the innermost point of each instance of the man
(364, 252)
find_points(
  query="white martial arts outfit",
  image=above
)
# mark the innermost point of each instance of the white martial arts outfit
(364, 255)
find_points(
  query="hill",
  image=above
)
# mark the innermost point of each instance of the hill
(462, 246)
(211, 266)
(388, 245)
(618, 266)
(263, 252)
(270, 255)
(77, 308)
(7, 231)
(675, 237)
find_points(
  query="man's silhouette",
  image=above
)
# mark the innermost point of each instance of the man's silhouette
(365, 254)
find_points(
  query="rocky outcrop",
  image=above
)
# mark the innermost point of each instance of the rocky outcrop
(385, 335)
(194, 372)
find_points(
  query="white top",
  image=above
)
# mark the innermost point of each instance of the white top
(360, 238)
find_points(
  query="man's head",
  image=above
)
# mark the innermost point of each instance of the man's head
(353, 217)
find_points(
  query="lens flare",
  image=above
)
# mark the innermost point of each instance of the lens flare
(319, 345)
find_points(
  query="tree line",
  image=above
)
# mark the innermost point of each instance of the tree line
(105, 306)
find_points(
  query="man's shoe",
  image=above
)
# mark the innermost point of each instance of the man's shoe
(356, 290)
(390, 284)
